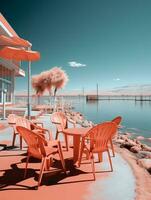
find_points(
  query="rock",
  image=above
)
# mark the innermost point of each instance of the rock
(145, 147)
(91, 124)
(78, 121)
(131, 142)
(149, 139)
(145, 163)
(123, 137)
(128, 134)
(140, 138)
(85, 123)
(1, 148)
(135, 149)
(126, 145)
(119, 141)
(144, 154)
(137, 141)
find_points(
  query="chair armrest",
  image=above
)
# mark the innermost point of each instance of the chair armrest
(36, 126)
(52, 143)
(38, 123)
(56, 122)
(43, 130)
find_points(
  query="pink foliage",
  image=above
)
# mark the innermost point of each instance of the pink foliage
(39, 84)
(54, 78)
(59, 78)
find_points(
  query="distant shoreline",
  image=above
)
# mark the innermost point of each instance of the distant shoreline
(77, 95)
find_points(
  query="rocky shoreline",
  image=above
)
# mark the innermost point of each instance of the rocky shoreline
(140, 150)
(79, 118)
(142, 177)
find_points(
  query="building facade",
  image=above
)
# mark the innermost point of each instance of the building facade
(9, 69)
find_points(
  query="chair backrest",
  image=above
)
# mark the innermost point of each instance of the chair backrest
(11, 119)
(34, 141)
(117, 120)
(60, 119)
(21, 121)
(100, 134)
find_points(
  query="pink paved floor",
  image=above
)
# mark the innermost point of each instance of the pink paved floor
(78, 184)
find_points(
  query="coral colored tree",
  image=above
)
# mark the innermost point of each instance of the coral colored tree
(58, 79)
(50, 81)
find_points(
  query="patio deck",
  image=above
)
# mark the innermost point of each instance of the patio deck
(78, 184)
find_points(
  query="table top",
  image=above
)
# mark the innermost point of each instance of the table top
(76, 131)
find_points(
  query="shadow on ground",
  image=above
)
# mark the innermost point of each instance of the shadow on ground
(11, 178)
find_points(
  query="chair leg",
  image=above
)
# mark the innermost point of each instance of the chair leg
(21, 142)
(100, 157)
(57, 133)
(87, 154)
(27, 161)
(61, 157)
(14, 137)
(41, 170)
(48, 163)
(80, 154)
(112, 147)
(93, 167)
(110, 161)
(66, 141)
(86, 151)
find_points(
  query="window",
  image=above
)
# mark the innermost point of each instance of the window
(6, 83)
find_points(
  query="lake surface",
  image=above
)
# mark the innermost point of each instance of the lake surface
(136, 114)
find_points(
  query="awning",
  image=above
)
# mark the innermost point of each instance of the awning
(19, 54)
(12, 53)
(13, 41)
(21, 42)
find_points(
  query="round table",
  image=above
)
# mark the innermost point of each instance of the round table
(77, 133)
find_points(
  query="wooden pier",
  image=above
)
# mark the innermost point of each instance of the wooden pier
(118, 97)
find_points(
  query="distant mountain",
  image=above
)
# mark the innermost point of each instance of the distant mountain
(144, 89)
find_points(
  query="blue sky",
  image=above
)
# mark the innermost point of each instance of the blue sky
(95, 41)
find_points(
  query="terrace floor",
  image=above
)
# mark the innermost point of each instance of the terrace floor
(77, 184)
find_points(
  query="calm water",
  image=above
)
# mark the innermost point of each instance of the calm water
(136, 114)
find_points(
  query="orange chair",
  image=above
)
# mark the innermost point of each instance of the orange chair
(61, 122)
(39, 148)
(117, 120)
(21, 121)
(99, 136)
(12, 118)
(15, 120)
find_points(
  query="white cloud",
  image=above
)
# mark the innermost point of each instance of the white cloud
(76, 64)
(116, 79)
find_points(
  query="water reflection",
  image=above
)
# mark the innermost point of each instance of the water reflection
(142, 103)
